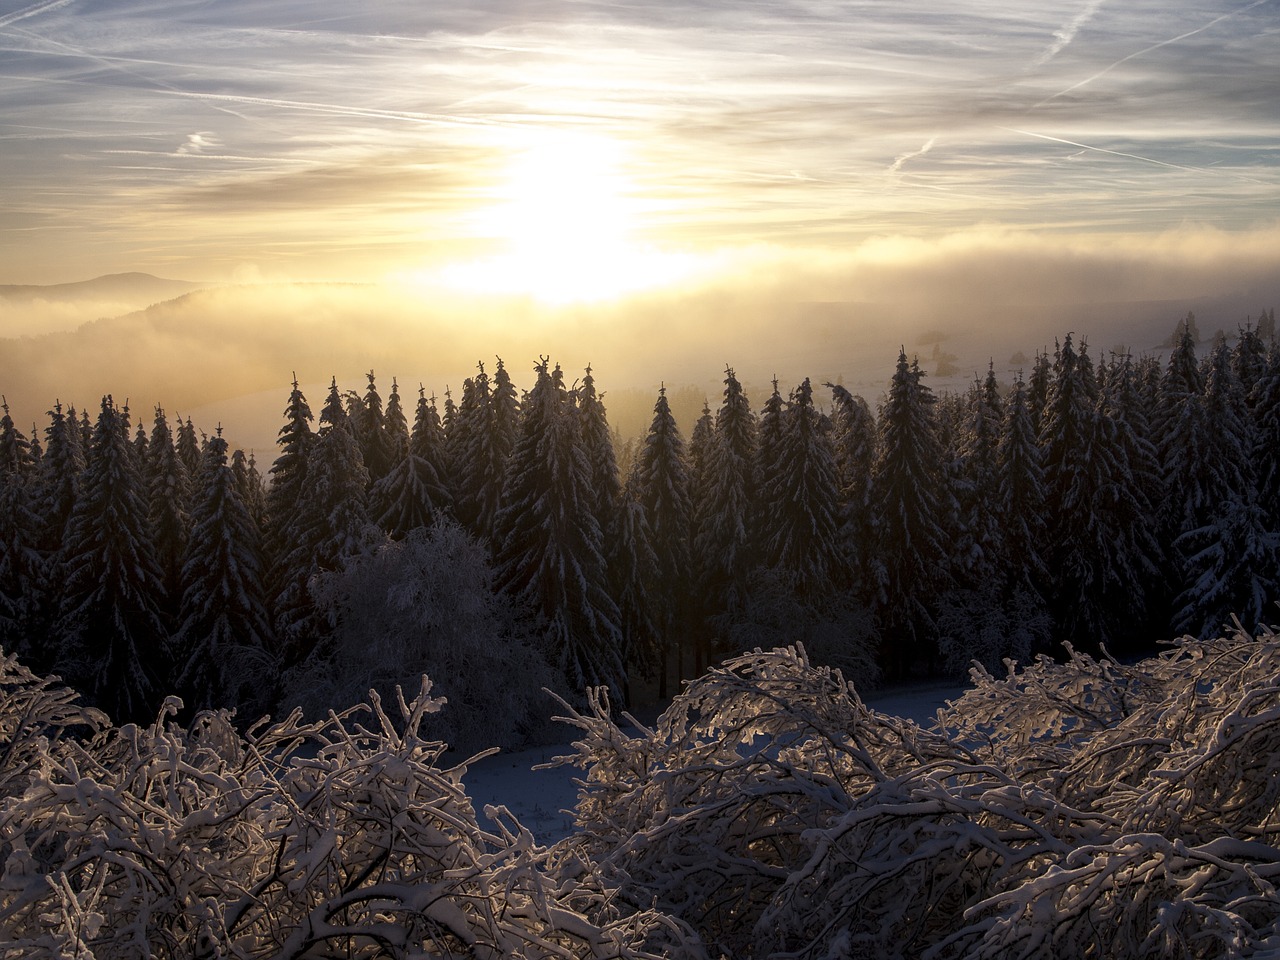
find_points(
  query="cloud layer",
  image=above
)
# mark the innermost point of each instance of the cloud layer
(324, 140)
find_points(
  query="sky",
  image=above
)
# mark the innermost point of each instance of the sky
(582, 149)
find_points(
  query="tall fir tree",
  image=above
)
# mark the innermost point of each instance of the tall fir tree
(1265, 398)
(370, 428)
(169, 487)
(854, 436)
(253, 493)
(222, 639)
(188, 444)
(413, 494)
(604, 486)
(284, 496)
(724, 526)
(1019, 504)
(330, 527)
(110, 628)
(477, 461)
(660, 482)
(911, 560)
(20, 561)
(800, 502)
(550, 552)
(1229, 561)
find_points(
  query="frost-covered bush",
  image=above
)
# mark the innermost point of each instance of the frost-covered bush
(328, 839)
(1077, 809)
(426, 604)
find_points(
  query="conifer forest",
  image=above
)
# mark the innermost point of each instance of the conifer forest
(1098, 790)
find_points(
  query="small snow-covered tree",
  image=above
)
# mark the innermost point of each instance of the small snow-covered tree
(427, 604)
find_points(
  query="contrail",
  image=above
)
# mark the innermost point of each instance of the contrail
(1155, 46)
(335, 109)
(1128, 156)
(1064, 35)
(32, 11)
(897, 163)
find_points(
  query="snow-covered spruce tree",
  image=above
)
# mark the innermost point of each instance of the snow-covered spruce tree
(910, 561)
(724, 524)
(21, 570)
(1181, 437)
(854, 437)
(170, 491)
(412, 495)
(377, 448)
(141, 445)
(550, 551)
(253, 493)
(660, 482)
(223, 644)
(188, 446)
(465, 440)
(328, 528)
(479, 444)
(1038, 389)
(1074, 471)
(1266, 452)
(1020, 504)
(605, 486)
(632, 566)
(58, 478)
(699, 630)
(288, 472)
(1249, 359)
(799, 507)
(343, 837)
(996, 610)
(1231, 563)
(111, 636)
(427, 604)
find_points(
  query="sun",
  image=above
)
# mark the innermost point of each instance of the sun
(566, 217)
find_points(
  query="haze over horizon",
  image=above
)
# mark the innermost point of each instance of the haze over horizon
(581, 152)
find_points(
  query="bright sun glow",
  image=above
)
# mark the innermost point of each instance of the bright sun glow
(566, 215)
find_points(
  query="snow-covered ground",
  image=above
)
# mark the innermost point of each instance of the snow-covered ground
(543, 800)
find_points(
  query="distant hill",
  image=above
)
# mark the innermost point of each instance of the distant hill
(28, 310)
(142, 289)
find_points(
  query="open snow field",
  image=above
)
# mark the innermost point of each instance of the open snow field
(543, 800)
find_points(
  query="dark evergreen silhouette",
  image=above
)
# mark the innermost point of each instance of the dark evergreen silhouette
(550, 552)
(223, 638)
(110, 630)
(660, 482)
(910, 564)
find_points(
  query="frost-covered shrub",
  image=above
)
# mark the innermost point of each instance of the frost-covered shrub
(426, 604)
(1077, 809)
(326, 839)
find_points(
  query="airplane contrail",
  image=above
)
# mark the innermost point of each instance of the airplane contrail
(1129, 156)
(1145, 50)
(33, 10)
(1064, 35)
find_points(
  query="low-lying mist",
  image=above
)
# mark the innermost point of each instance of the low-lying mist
(228, 354)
